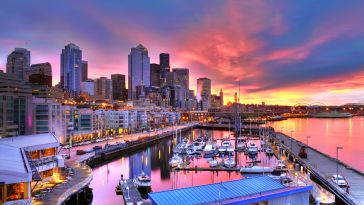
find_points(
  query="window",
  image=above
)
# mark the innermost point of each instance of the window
(14, 191)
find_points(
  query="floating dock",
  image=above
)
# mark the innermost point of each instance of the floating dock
(130, 192)
(215, 169)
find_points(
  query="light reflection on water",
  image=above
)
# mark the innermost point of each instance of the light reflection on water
(154, 162)
(326, 134)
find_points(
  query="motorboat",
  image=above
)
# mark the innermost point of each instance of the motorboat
(143, 181)
(277, 175)
(224, 146)
(255, 169)
(281, 166)
(209, 150)
(198, 145)
(229, 162)
(269, 151)
(230, 149)
(252, 149)
(240, 145)
(175, 161)
(214, 163)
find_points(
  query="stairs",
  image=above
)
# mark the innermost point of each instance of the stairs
(35, 174)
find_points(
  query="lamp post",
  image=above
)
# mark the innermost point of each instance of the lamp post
(337, 164)
(307, 140)
(291, 139)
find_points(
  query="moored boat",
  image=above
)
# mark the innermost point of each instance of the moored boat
(255, 169)
(175, 161)
(143, 181)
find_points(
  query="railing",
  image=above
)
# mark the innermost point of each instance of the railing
(35, 174)
(74, 189)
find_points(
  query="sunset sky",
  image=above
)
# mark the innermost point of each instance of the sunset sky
(283, 52)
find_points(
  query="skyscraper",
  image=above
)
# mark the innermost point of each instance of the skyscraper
(165, 66)
(204, 93)
(155, 75)
(221, 98)
(71, 62)
(118, 86)
(181, 77)
(18, 62)
(103, 88)
(138, 70)
(84, 71)
(40, 74)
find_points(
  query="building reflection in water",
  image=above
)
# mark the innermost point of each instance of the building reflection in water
(139, 163)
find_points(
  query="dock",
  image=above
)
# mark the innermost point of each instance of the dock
(215, 169)
(130, 192)
(322, 167)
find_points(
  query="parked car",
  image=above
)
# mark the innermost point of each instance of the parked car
(339, 180)
(97, 147)
(80, 152)
(99, 140)
(66, 147)
(66, 156)
(88, 150)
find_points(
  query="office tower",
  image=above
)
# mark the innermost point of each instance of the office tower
(181, 77)
(18, 62)
(155, 75)
(71, 62)
(221, 98)
(40, 74)
(84, 71)
(118, 86)
(15, 106)
(138, 70)
(88, 87)
(165, 67)
(204, 93)
(103, 88)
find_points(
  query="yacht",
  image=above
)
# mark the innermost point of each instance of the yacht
(175, 161)
(255, 169)
(281, 166)
(252, 149)
(143, 181)
(229, 162)
(240, 145)
(214, 163)
(198, 145)
(210, 150)
(269, 151)
(224, 145)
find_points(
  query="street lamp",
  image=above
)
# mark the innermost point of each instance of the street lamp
(291, 139)
(337, 164)
(307, 140)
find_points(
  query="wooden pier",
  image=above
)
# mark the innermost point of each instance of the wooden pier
(130, 192)
(322, 167)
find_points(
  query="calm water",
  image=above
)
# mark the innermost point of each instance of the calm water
(327, 134)
(154, 162)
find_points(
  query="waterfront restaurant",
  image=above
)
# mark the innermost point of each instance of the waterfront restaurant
(41, 151)
(15, 175)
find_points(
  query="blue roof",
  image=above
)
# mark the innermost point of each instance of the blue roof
(216, 192)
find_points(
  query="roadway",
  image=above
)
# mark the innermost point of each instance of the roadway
(119, 139)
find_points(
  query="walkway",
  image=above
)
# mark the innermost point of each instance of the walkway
(82, 176)
(326, 167)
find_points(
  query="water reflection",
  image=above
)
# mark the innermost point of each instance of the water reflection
(326, 134)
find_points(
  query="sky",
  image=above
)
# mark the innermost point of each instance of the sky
(282, 52)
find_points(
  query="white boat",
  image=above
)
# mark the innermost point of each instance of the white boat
(277, 175)
(210, 149)
(269, 151)
(143, 181)
(255, 169)
(230, 149)
(240, 145)
(175, 161)
(281, 166)
(224, 145)
(198, 145)
(229, 162)
(214, 163)
(252, 149)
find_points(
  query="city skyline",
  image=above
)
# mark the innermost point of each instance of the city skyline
(282, 54)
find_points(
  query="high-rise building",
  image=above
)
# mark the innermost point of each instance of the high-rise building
(155, 75)
(40, 74)
(15, 106)
(84, 71)
(118, 86)
(165, 66)
(181, 77)
(221, 98)
(18, 62)
(204, 93)
(103, 88)
(88, 87)
(71, 62)
(138, 70)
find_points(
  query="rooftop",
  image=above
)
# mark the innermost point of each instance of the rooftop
(249, 190)
(13, 167)
(32, 142)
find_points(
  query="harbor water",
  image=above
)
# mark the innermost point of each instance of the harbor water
(154, 161)
(327, 134)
